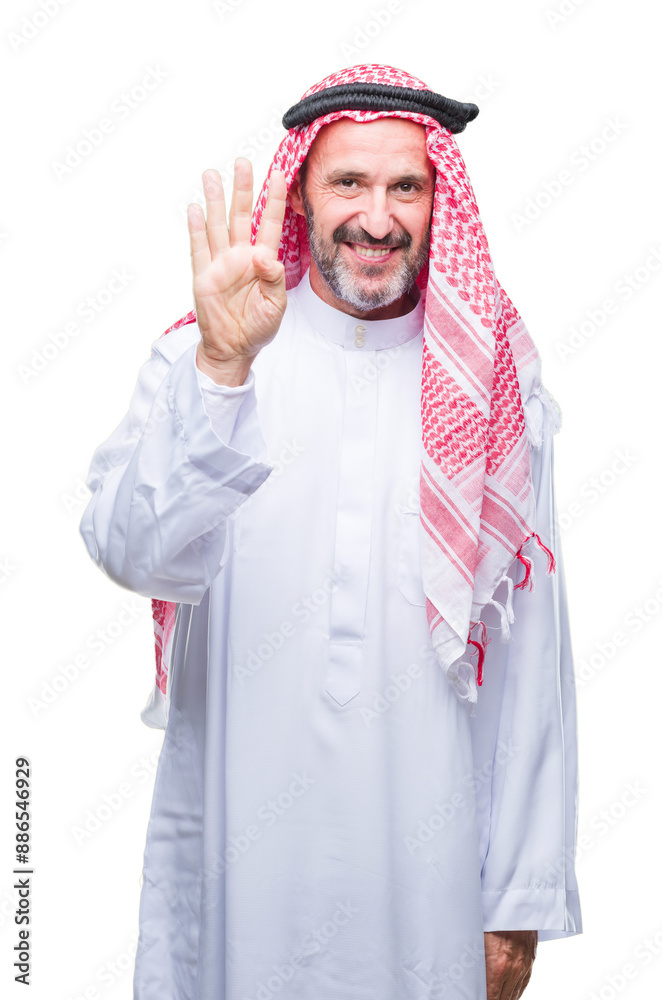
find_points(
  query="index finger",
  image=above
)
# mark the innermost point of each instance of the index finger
(271, 223)
(200, 255)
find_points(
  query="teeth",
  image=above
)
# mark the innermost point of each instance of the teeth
(365, 252)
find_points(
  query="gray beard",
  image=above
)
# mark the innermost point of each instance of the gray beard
(347, 285)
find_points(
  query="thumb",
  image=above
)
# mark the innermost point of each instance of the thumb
(269, 272)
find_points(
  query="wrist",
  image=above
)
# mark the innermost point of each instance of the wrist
(231, 372)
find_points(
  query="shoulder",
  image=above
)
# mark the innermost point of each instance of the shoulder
(176, 340)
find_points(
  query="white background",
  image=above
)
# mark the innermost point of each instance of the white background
(549, 76)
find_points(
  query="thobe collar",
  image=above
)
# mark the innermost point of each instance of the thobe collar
(352, 332)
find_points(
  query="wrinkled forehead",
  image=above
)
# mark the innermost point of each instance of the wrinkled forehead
(382, 139)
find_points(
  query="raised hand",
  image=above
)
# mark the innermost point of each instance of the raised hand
(239, 289)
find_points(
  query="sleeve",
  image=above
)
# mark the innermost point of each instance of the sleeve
(524, 733)
(166, 482)
(222, 402)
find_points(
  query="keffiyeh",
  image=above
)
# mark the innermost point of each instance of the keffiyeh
(480, 366)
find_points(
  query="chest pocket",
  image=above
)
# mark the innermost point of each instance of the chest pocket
(409, 572)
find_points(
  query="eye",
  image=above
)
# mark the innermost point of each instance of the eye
(409, 185)
(346, 181)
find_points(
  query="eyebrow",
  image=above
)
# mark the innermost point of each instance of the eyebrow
(410, 178)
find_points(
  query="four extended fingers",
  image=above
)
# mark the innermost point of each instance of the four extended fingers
(212, 239)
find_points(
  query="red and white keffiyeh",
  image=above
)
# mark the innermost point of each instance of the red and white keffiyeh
(477, 504)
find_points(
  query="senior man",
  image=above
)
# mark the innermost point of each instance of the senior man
(335, 482)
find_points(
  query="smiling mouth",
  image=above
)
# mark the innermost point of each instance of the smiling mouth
(371, 253)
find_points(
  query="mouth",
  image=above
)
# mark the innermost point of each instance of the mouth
(376, 255)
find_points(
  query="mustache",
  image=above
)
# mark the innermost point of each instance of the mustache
(347, 234)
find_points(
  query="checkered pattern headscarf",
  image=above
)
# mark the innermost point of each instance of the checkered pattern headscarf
(477, 505)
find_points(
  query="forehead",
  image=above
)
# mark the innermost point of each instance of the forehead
(394, 143)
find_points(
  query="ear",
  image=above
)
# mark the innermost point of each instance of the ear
(294, 196)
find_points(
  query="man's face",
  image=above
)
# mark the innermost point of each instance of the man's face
(367, 201)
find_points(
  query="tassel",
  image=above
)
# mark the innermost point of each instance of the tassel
(528, 563)
(481, 646)
(551, 561)
(505, 610)
(528, 566)
(509, 600)
(481, 657)
(505, 630)
(529, 575)
(467, 681)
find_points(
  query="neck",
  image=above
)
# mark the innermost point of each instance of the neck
(400, 307)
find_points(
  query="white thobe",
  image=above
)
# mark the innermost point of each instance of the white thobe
(328, 821)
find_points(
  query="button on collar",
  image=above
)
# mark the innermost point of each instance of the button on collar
(359, 339)
(343, 329)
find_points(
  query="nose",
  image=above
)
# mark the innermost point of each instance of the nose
(375, 215)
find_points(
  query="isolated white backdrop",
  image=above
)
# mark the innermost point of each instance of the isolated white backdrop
(549, 77)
